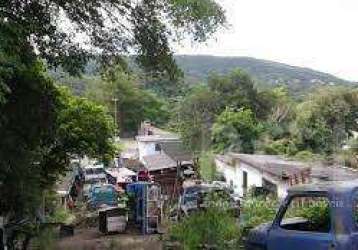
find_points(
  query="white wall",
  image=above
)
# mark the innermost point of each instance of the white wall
(254, 177)
(282, 190)
(146, 148)
(231, 175)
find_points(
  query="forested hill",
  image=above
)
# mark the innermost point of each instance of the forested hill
(267, 73)
(197, 69)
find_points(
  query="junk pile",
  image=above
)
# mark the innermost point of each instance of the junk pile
(145, 206)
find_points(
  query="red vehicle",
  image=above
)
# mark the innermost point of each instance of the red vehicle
(143, 175)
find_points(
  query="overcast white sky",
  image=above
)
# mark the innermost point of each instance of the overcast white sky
(319, 34)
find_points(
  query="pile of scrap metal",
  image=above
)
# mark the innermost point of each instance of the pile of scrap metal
(102, 196)
(110, 206)
(112, 220)
(145, 206)
(197, 196)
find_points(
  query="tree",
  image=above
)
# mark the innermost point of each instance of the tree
(280, 112)
(197, 111)
(194, 117)
(111, 27)
(235, 90)
(326, 118)
(42, 128)
(235, 131)
(134, 104)
(84, 128)
(207, 167)
(28, 118)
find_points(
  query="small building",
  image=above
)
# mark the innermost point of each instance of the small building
(165, 157)
(275, 174)
(164, 171)
(129, 152)
(152, 144)
(271, 173)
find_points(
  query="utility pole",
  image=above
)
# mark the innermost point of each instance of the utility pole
(115, 113)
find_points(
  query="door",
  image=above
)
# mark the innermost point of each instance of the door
(280, 239)
(244, 182)
(305, 224)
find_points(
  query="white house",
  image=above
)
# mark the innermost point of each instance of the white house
(152, 144)
(273, 173)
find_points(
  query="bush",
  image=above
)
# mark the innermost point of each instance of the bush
(275, 148)
(45, 240)
(207, 166)
(281, 147)
(213, 227)
(317, 214)
(60, 215)
(255, 211)
(306, 155)
(349, 158)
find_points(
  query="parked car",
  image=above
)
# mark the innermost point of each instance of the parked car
(88, 183)
(188, 201)
(102, 195)
(94, 172)
(329, 220)
(194, 198)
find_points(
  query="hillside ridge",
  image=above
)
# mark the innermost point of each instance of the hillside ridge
(266, 72)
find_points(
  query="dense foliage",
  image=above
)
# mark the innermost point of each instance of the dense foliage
(235, 131)
(121, 92)
(111, 27)
(230, 114)
(212, 228)
(257, 210)
(325, 119)
(43, 127)
(198, 110)
(194, 117)
(207, 168)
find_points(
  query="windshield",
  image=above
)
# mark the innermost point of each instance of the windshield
(94, 171)
(96, 180)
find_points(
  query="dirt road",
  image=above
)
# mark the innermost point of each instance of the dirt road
(92, 239)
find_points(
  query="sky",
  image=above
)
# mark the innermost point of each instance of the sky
(318, 34)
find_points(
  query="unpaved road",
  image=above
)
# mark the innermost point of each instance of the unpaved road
(92, 239)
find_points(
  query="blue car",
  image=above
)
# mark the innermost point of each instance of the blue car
(312, 217)
(102, 195)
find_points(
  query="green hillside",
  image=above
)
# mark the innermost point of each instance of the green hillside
(197, 69)
(267, 73)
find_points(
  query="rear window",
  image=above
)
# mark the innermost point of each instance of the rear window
(92, 171)
(308, 213)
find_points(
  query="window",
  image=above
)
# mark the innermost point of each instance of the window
(307, 213)
(244, 181)
(94, 171)
(158, 147)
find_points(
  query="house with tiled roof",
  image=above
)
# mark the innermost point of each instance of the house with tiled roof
(275, 174)
(163, 154)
